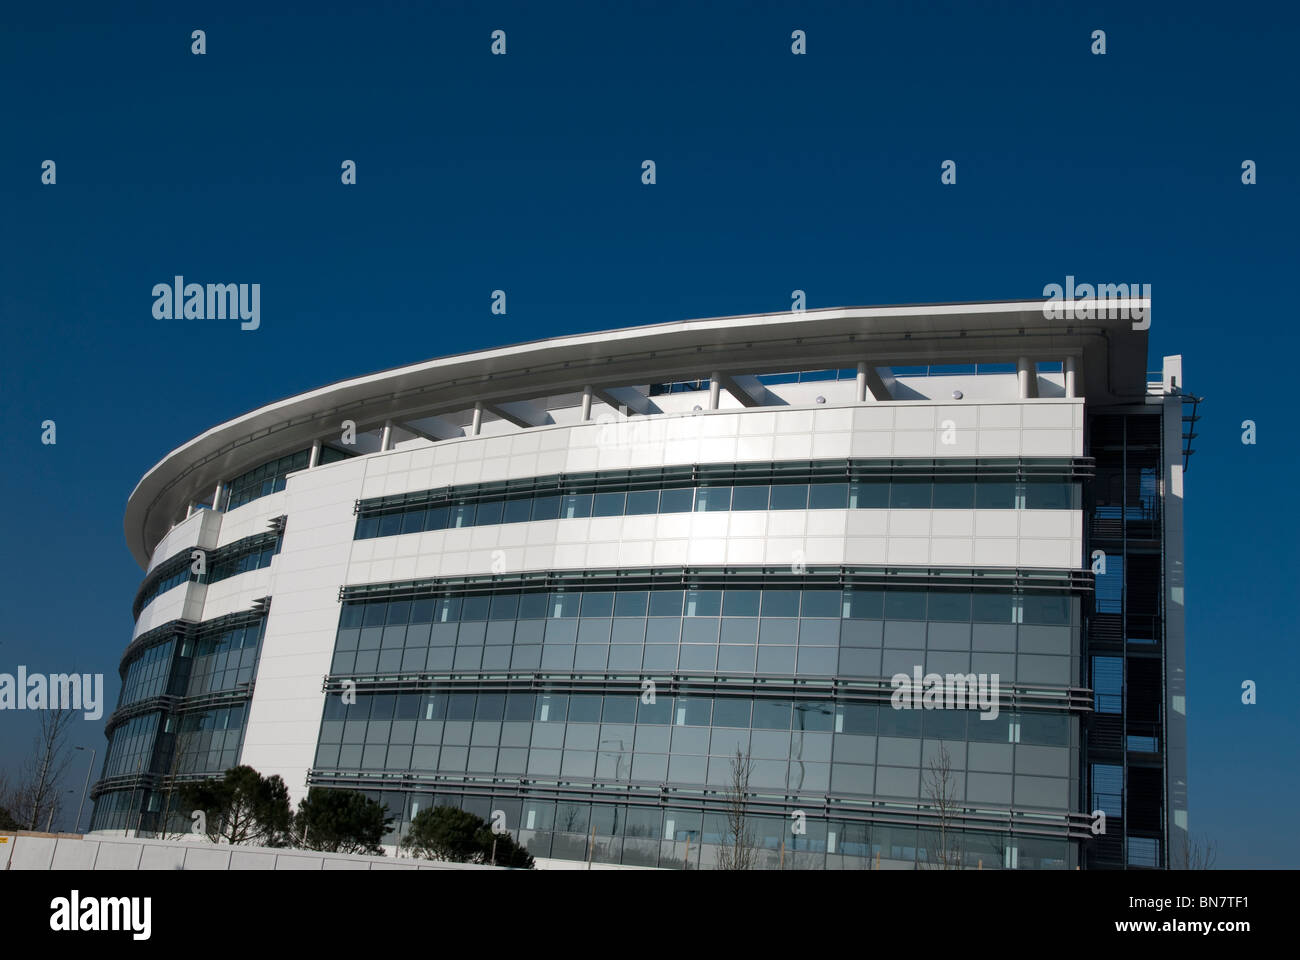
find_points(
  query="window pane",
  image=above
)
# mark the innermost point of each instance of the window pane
(518, 511)
(869, 494)
(676, 501)
(789, 496)
(954, 495)
(910, 495)
(829, 496)
(741, 603)
(990, 495)
(749, 498)
(640, 502)
(905, 604)
(575, 506)
(708, 499)
(608, 505)
(631, 603)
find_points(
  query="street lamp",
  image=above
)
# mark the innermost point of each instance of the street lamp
(89, 767)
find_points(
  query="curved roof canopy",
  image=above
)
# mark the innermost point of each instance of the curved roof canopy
(1111, 355)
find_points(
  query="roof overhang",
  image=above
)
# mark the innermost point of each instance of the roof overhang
(1110, 352)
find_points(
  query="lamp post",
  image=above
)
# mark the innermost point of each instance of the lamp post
(86, 786)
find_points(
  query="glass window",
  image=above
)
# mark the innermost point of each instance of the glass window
(505, 606)
(789, 496)
(749, 498)
(703, 603)
(575, 506)
(475, 608)
(676, 501)
(665, 603)
(829, 496)
(741, 603)
(821, 603)
(608, 505)
(780, 603)
(620, 709)
(659, 712)
(413, 520)
(1046, 608)
(546, 508)
(992, 607)
(518, 511)
(491, 706)
(584, 708)
(731, 712)
(631, 603)
(995, 495)
(869, 494)
(772, 714)
(422, 610)
(640, 502)
(855, 718)
(551, 708)
(1051, 495)
(905, 604)
(954, 495)
(910, 494)
(489, 511)
(950, 605)
(709, 499)
(563, 605)
(533, 606)
(864, 603)
(597, 604)
(520, 707)
(693, 711)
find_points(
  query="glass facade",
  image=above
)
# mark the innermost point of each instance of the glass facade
(1028, 638)
(205, 672)
(558, 711)
(241, 556)
(847, 485)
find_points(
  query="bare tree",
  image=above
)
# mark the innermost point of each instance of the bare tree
(183, 751)
(738, 851)
(37, 799)
(1198, 853)
(941, 791)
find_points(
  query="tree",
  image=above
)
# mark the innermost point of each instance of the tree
(340, 821)
(941, 791)
(1198, 853)
(739, 851)
(445, 833)
(37, 799)
(241, 807)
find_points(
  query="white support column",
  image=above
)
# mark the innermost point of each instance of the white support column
(477, 425)
(189, 510)
(386, 438)
(586, 403)
(1024, 370)
(216, 495)
(1069, 376)
(862, 383)
(714, 388)
(315, 455)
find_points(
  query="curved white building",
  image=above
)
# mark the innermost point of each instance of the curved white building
(569, 579)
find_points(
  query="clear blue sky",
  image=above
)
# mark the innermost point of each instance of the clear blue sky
(775, 172)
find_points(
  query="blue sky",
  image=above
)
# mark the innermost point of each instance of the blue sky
(775, 172)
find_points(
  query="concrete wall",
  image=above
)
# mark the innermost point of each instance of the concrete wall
(34, 851)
